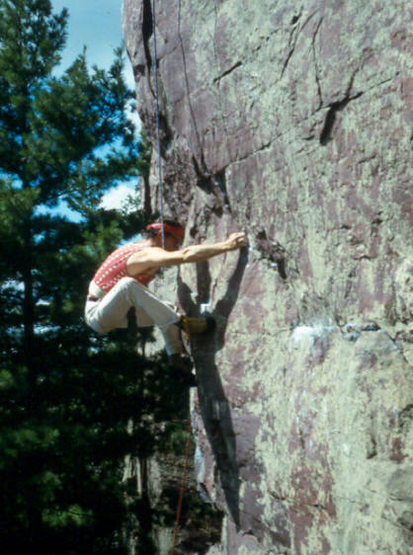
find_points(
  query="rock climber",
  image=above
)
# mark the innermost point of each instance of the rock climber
(120, 283)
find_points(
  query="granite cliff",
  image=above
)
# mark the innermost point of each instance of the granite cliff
(293, 121)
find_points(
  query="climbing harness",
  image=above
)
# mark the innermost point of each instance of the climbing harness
(158, 139)
(181, 492)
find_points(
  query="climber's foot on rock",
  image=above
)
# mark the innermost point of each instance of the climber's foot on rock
(196, 326)
(181, 370)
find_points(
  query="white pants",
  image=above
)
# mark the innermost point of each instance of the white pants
(111, 309)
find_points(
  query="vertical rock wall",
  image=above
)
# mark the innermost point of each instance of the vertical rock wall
(293, 121)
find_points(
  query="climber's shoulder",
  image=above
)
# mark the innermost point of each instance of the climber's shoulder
(150, 258)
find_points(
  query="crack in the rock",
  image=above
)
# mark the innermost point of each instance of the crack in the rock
(326, 134)
(292, 41)
(217, 81)
(215, 184)
(221, 183)
(330, 119)
(227, 72)
(295, 18)
(405, 416)
(147, 31)
(191, 109)
(259, 149)
(291, 51)
(316, 68)
(259, 46)
(293, 501)
(272, 251)
(338, 106)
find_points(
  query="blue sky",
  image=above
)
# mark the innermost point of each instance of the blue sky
(96, 24)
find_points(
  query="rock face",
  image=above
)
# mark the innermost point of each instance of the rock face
(293, 121)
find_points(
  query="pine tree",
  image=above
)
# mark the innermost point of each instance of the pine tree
(53, 130)
(65, 397)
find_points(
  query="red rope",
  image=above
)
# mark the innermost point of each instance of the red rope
(181, 492)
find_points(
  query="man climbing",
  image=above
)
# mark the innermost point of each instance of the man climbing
(120, 284)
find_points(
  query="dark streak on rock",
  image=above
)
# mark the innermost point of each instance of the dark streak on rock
(294, 37)
(272, 251)
(203, 179)
(188, 94)
(165, 133)
(215, 185)
(227, 72)
(295, 18)
(220, 182)
(316, 69)
(372, 452)
(406, 416)
(326, 134)
(147, 31)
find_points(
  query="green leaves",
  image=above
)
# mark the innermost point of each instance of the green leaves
(80, 136)
(67, 136)
(31, 39)
(72, 403)
(65, 400)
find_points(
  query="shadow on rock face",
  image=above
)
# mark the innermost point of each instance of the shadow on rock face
(214, 405)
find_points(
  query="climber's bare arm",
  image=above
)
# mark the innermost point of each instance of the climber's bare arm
(150, 259)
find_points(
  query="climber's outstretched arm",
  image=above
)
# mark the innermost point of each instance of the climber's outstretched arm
(198, 253)
(152, 258)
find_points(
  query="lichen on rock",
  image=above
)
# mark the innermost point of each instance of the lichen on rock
(293, 122)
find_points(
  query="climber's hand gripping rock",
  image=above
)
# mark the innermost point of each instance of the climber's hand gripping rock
(237, 240)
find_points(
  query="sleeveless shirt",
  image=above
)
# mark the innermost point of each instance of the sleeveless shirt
(114, 267)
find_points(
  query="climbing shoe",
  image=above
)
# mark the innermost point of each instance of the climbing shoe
(180, 367)
(195, 326)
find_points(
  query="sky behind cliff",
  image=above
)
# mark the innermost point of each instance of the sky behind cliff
(96, 24)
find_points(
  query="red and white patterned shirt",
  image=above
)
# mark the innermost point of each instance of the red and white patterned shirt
(114, 267)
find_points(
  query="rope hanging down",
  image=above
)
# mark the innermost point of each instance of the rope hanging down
(158, 138)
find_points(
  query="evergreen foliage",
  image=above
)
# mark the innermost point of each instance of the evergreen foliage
(66, 394)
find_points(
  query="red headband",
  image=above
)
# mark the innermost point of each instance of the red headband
(175, 230)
